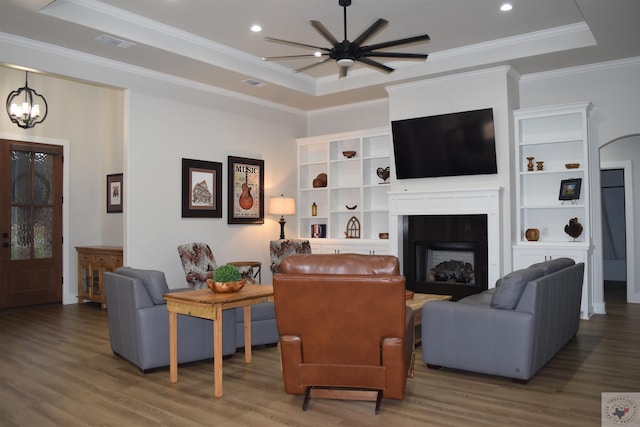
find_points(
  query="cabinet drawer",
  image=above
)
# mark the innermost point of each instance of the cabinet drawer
(108, 260)
(84, 258)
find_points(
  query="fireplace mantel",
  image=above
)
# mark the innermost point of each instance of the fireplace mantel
(450, 202)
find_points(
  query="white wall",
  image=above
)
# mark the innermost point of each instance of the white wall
(162, 132)
(613, 88)
(347, 118)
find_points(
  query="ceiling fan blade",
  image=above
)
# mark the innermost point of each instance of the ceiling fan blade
(315, 64)
(409, 40)
(375, 64)
(377, 26)
(277, 58)
(343, 72)
(308, 46)
(394, 55)
(324, 32)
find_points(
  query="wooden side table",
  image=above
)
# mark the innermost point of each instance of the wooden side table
(416, 304)
(209, 305)
(249, 266)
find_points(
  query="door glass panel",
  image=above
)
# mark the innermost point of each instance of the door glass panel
(43, 177)
(31, 205)
(20, 177)
(21, 236)
(42, 229)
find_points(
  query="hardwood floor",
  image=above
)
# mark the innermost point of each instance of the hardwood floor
(57, 369)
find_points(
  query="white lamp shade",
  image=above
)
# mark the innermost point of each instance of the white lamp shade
(282, 206)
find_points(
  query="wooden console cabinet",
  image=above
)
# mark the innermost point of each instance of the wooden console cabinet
(93, 261)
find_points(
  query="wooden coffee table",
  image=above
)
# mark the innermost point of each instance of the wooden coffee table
(416, 304)
(209, 305)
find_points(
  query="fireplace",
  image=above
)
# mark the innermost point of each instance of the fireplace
(446, 254)
(441, 225)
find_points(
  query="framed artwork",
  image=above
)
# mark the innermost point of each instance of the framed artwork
(201, 189)
(114, 193)
(570, 189)
(246, 191)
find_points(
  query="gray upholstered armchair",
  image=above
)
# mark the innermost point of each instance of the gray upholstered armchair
(139, 322)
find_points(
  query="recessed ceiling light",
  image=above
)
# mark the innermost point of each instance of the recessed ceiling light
(506, 7)
(256, 28)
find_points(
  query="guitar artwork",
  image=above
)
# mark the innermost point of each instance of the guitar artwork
(246, 199)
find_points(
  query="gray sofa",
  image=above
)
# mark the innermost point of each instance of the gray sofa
(139, 322)
(512, 330)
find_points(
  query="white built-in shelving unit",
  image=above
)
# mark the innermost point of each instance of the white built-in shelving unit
(557, 136)
(350, 182)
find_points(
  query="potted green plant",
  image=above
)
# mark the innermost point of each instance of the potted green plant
(226, 278)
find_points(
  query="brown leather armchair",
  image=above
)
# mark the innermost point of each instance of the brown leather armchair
(345, 331)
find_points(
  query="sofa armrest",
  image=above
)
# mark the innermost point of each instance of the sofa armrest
(477, 338)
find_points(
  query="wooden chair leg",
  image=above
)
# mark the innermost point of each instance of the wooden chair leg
(411, 365)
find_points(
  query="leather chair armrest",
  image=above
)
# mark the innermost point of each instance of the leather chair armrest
(291, 351)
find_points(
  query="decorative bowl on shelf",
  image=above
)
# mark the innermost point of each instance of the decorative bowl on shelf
(383, 235)
(349, 154)
(572, 165)
(351, 208)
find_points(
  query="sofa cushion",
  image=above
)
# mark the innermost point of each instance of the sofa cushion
(153, 280)
(554, 265)
(509, 289)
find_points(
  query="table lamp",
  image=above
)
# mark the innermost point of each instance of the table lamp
(282, 206)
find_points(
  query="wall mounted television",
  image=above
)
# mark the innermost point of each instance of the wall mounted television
(452, 144)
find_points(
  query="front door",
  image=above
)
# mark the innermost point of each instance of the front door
(30, 223)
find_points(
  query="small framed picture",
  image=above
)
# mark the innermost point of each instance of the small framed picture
(114, 193)
(246, 191)
(201, 189)
(570, 189)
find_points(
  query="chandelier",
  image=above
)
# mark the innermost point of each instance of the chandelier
(26, 107)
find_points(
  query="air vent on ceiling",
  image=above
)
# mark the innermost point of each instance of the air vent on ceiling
(114, 41)
(255, 83)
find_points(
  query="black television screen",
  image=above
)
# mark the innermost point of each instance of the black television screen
(445, 145)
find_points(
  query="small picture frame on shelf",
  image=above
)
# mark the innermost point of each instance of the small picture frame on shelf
(570, 189)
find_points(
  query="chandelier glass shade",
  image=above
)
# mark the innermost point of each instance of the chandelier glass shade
(26, 107)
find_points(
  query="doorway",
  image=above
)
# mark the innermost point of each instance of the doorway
(30, 223)
(614, 253)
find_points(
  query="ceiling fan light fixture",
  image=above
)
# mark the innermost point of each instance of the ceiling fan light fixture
(345, 62)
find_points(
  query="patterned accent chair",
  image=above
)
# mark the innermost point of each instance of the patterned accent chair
(198, 263)
(284, 247)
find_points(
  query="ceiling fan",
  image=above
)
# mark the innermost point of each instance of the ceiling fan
(346, 53)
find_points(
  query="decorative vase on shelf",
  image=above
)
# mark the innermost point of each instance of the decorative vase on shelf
(530, 164)
(540, 165)
(314, 209)
(383, 174)
(532, 234)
